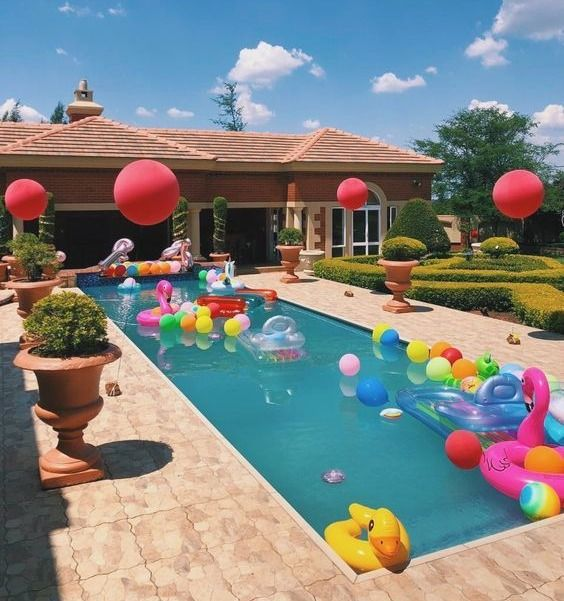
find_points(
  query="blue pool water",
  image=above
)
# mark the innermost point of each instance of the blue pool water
(293, 422)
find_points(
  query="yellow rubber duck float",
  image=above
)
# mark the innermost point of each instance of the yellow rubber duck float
(387, 545)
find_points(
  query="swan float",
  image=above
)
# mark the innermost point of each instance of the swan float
(226, 283)
(150, 318)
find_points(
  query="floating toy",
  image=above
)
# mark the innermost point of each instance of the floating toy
(226, 282)
(391, 413)
(463, 368)
(232, 327)
(179, 249)
(349, 365)
(539, 501)
(463, 448)
(387, 546)
(371, 392)
(228, 306)
(471, 384)
(244, 320)
(333, 476)
(438, 369)
(544, 459)
(503, 463)
(438, 348)
(417, 351)
(389, 337)
(129, 285)
(452, 355)
(278, 340)
(378, 330)
(151, 317)
(486, 366)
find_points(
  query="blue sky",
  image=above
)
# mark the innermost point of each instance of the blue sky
(385, 68)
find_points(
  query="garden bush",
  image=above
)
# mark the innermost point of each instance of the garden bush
(506, 263)
(499, 246)
(290, 236)
(352, 273)
(403, 249)
(418, 220)
(33, 255)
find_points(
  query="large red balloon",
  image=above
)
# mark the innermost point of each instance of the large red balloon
(352, 193)
(146, 192)
(26, 199)
(518, 193)
(463, 449)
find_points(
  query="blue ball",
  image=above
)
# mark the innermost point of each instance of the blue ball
(389, 337)
(371, 392)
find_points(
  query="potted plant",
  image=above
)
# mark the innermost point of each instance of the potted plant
(15, 267)
(400, 256)
(70, 351)
(219, 255)
(33, 256)
(290, 243)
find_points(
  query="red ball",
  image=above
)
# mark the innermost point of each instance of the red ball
(352, 193)
(518, 193)
(119, 271)
(463, 449)
(26, 199)
(146, 192)
(451, 355)
(214, 309)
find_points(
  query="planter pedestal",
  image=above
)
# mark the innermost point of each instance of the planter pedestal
(3, 271)
(69, 397)
(31, 292)
(398, 280)
(290, 260)
(219, 257)
(308, 258)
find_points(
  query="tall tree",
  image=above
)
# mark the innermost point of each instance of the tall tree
(58, 114)
(230, 114)
(14, 114)
(478, 146)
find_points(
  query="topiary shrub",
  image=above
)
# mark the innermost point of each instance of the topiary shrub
(219, 223)
(47, 222)
(418, 220)
(403, 249)
(180, 220)
(5, 227)
(290, 236)
(498, 247)
(67, 325)
(33, 255)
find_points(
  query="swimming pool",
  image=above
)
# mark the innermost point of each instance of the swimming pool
(292, 422)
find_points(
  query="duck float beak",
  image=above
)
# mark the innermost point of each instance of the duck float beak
(384, 536)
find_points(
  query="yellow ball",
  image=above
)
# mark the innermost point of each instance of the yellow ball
(232, 327)
(203, 311)
(417, 351)
(204, 324)
(378, 330)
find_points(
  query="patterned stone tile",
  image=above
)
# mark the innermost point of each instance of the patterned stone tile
(31, 519)
(267, 515)
(296, 595)
(554, 590)
(532, 595)
(191, 486)
(92, 504)
(70, 591)
(133, 584)
(236, 478)
(213, 451)
(145, 494)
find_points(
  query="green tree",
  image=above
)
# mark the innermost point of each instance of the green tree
(230, 114)
(14, 114)
(47, 222)
(58, 114)
(478, 147)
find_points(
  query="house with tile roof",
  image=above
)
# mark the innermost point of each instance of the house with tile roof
(270, 180)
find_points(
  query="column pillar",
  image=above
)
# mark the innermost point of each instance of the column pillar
(194, 230)
(289, 217)
(17, 226)
(298, 218)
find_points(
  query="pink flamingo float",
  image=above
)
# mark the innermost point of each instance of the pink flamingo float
(150, 318)
(502, 463)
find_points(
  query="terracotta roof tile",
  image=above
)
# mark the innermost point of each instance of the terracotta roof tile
(13, 132)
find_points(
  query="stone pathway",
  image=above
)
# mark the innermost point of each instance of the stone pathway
(180, 518)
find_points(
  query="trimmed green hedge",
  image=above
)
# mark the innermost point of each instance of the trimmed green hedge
(507, 263)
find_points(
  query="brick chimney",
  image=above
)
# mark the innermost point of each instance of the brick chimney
(83, 104)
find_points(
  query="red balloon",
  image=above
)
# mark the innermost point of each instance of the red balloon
(146, 192)
(518, 193)
(119, 271)
(26, 199)
(352, 193)
(451, 355)
(463, 448)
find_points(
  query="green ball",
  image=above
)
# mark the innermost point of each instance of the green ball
(452, 382)
(438, 369)
(202, 275)
(178, 317)
(167, 322)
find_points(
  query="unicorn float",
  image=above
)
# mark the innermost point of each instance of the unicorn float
(226, 282)
(150, 318)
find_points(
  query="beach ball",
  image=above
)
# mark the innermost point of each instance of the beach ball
(463, 448)
(202, 274)
(378, 330)
(214, 309)
(167, 322)
(175, 266)
(202, 311)
(232, 327)
(188, 322)
(471, 384)
(146, 192)
(417, 351)
(389, 337)
(155, 269)
(349, 364)
(352, 193)
(371, 392)
(203, 341)
(211, 276)
(165, 267)
(132, 270)
(452, 355)
(144, 268)
(438, 369)
(545, 460)
(463, 368)
(25, 199)
(119, 271)
(539, 501)
(438, 348)
(204, 324)
(416, 373)
(513, 369)
(244, 320)
(518, 193)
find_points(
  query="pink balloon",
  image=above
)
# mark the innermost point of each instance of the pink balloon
(518, 193)
(211, 277)
(26, 199)
(349, 364)
(175, 266)
(352, 193)
(244, 320)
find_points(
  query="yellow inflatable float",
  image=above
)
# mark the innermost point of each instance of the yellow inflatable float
(387, 545)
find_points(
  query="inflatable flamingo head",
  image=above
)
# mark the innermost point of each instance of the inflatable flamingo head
(537, 399)
(164, 288)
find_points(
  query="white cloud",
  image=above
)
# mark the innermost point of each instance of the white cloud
(552, 116)
(488, 50)
(311, 123)
(317, 70)
(28, 113)
(264, 65)
(117, 11)
(390, 83)
(61, 51)
(534, 19)
(141, 111)
(432, 70)
(178, 113)
(254, 113)
(72, 9)
(490, 104)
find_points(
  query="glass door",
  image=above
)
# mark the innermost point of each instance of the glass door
(366, 230)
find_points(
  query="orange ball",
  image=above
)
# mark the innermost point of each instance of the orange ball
(545, 460)
(463, 368)
(156, 311)
(438, 348)
(144, 269)
(188, 322)
(165, 267)
(155, 269)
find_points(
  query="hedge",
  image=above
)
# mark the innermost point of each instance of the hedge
(351, 272)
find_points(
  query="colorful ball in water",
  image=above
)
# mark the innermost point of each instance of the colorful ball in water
(188, 322)
(244, 320)
(202, 311)
(452, 355)
(371, 392)
(471, 384)
(202, 274)
(463, 368)
(178, 317)
(438, 348)
(167, 322)
(211, 276)
(144, 269)
(378, 330)
(165, 267)
(204, 324)
(389, 337)
(232, 327)
(186, 306)
(175, 266)
(539, 501)
(132, 270)
(155, 269)
(417, 351)
(463, 448)
(214, 309)
(349, 364)
(545, 460)
(438, 369)
(452, 382)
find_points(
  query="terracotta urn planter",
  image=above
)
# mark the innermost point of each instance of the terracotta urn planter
(3, 271)
(15, 267)
(290, 260)
(69, 397)
(219, 258)
(31, 292)
(398, 280)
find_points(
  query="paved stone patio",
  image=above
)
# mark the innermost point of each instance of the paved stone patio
(181, 518)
